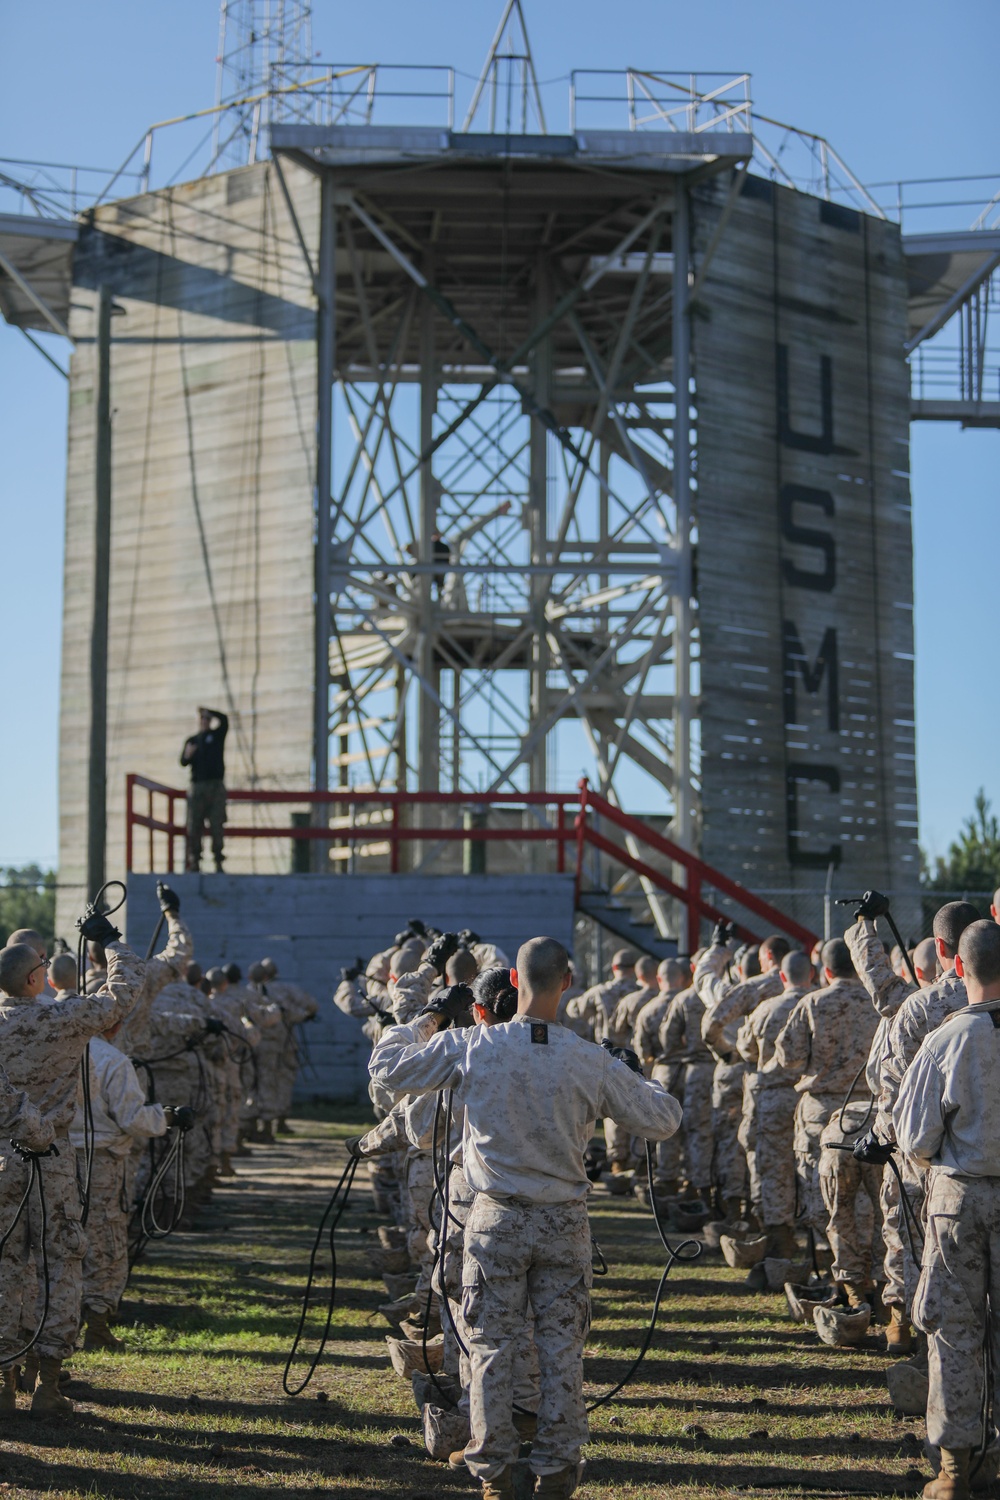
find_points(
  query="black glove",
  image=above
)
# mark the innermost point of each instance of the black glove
(873, 904)
(214, 1026)
(722, 933)
(873, 1151)
(350, 972)
(448, 1004)
(354, 1147)
(416, 928)
(180, 1115)
(623, 1054)
(168, 899)
(96, 928)
(466, 938)
(441, 950)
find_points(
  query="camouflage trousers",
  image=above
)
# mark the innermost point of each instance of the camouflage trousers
(447, 1283)
(727, 1113)
(521, 1257)
(105, 1265)
(622, 1146)
(961, 1269)
(419, 1190)
(689, 1151)
(851, 1195)
(812, 1115)
(21, 1269)
(901, 1270)
(232, 1105)
(668, 1154)
(766, 1132)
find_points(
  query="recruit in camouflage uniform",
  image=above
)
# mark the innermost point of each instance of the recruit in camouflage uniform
(767, 1128)
(527, 1235)
(121, 1118)
(687, 1064)
(948, 1119)
(43, 1044)
(726, 1003)
(590, 1017)
(184, 1058)
(824, 1046)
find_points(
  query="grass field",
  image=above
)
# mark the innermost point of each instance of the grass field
(733, 1398)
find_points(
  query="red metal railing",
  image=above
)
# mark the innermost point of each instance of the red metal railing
(697, 874)
(395, 831)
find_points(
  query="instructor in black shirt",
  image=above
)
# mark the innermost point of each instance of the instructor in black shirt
(204, 752)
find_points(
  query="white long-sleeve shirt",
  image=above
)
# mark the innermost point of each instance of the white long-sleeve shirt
(118, 1102)
(531, 1092)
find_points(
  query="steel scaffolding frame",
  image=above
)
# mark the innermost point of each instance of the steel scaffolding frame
(509, 540)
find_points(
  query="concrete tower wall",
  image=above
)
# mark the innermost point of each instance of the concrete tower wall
(804, 557)
(213, 396)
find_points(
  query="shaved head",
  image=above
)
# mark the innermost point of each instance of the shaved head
(29, 938)
(256, 974)
(796, 968)
(17, 961)
(951, 920)
(270, 967)
(406, 960)
(542, 965)
(673, 973)
(925, 958)
(193, 974)
(979, 950)
(624, 959)
(461, 967)
(774, 947)
(837, 958)
(62, 971)
(645, 969)
(217, 979)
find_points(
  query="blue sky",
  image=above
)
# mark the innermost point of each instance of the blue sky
(899, 93)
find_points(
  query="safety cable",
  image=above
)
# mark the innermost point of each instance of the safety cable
(88, 1103)
(333, 1212)
(150, 1225)
(33, 1159)
(692, 1247)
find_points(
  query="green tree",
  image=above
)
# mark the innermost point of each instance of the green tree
(27, 899)
(973, 862)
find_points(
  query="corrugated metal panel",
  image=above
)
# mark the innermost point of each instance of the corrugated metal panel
(804, 558)
(213, 452)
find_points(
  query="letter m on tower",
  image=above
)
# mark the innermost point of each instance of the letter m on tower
(796, 665)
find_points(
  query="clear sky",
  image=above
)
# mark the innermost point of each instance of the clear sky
(902, 88)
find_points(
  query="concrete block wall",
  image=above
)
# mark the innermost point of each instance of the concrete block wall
(312, 925)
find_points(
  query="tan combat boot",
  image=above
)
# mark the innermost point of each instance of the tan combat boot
(29, 1374)
(898, 1334)
(855, 1293)
(8, 1391)
(953, 1481)
(499, 1488)
(98, 1334)
(781, 1241)
(48, 1400)
(558, 1486)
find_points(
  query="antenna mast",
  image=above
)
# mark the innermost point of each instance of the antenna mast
(265, 47)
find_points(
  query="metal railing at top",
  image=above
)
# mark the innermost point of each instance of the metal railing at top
(688, 102)
(593, 818)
